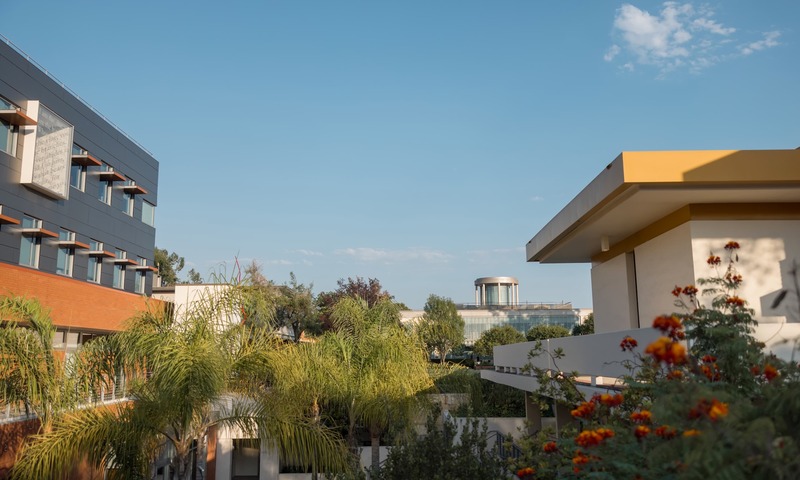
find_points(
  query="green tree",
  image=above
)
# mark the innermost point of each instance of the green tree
(586, 327)
(369, 290)
(543, 332)
(295, 308)
(186, 374)
(168, 264)
(30, 372)
(441, 454)
(194, 277)
(381, 368)
(441, 328)
(499, 335)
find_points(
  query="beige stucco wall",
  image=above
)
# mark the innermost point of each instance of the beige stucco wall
(613, 297)
(768, 250)
(662, 263)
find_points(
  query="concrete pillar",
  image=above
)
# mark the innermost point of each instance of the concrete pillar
(224, 457)
(533, 414)
(563, 416)
(270, 465)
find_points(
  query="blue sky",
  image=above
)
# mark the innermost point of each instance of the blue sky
(422, 143)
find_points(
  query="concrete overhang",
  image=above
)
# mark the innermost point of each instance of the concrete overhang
(639, 189)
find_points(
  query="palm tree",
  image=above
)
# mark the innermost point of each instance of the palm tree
(382, 368)
(31, 374)
(186, 373)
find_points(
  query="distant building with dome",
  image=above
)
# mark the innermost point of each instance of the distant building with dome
(497, 303)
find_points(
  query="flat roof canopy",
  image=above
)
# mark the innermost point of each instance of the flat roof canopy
(639, 188)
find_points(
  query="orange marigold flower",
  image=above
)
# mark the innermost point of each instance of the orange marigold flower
(643, 416)
(732, 245)
(580, 458)
(770, 372)
(690, 290)
(709, 359)
(735, 301)
(641, 431)
(584, 410)
(605, 432)
(714, 260)
(628, 343)
(755, 370)
(718, 409)
(550, 447)
(667, 351)
(665, 432)
(588, 438)
(677, 291)
(675, 375)
(525, 472)
(611, 400)
(691, 433)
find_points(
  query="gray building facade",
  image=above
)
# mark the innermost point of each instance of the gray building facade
(77, 195)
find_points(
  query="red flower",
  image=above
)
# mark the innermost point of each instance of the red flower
(709, 359)
(526, 472)
(667, 351)
(671, 325)
(735, 301)
(584, 410)
(675, 375)
(642, 417)
(714, 260)
(549, 447)
(628, 343)
(611, 400)
(689, 290)
(641, 431)
(770, 372)
(732, 245)
(665, 432)
(713, 409)
(676, 291)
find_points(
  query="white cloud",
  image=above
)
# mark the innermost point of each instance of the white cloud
(712, 26)
(279, 262)
(612, 52)
(307, 253)
(770, 40)
(678, 36)
(379, 255)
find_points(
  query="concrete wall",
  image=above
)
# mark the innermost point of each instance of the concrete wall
(769, 250)
(662, 263)
(614, 295)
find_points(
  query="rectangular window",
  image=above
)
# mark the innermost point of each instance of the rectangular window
(127, 203)
(119, 269)
(95, 266)
(66, 254)
(77, 173)
(104, 192)
(8, 132)
(139, 283)
(29, 245)
(77, 176)
(148, 213)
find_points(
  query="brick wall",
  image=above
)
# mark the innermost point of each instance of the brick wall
(75, 303)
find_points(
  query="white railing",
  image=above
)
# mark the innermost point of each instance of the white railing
(598, 359)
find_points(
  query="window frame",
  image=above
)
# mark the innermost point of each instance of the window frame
(65, 259)
(95, 264)
(119, 269)
(34, 242)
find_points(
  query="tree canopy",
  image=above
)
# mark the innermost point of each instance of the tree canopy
(168, 264)
(498, 335)
(441, 327)
(544, 331)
